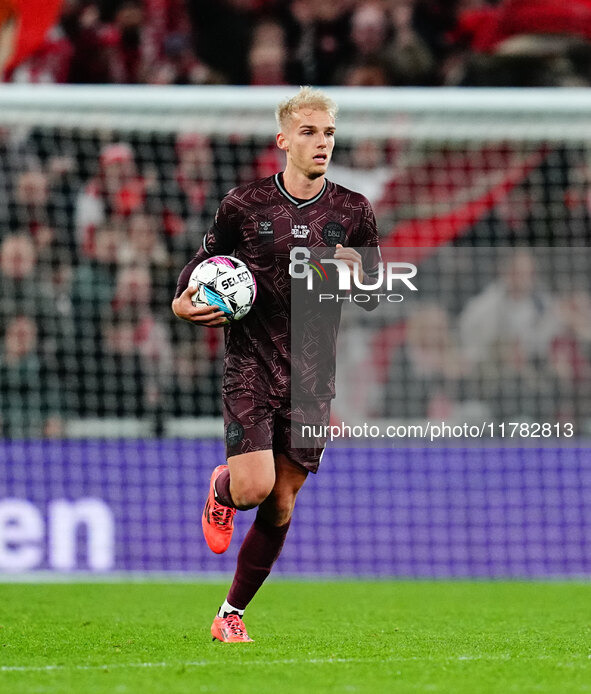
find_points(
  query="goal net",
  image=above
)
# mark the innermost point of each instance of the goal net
(462, 408)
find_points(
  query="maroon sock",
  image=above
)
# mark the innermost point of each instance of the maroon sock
(261, 547)
(222, 489)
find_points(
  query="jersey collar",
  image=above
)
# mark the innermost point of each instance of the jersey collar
(298, 203)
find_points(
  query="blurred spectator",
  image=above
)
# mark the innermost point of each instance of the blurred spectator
(142, 244)
(31, 403)
(370, 31)
(267, 55)
(197, 373)
(15, 158)
(136, 364)
(125, 354)
(513, 314)
(195, 171)
(179, 65)
(364, 169)
(93, 285)
(386, 48)
(31, 196)
(570, 356)
(120, 191)
(124, 43)
(92, 291)
(167, 45)
(574, 316)
(409, 59)
(20, 279)
(29, 287)
(30, 210)
(41, 204)
(320, 31)
(223, 32)
(114, 194)
(427, 375)
(134, 62)
(506, 331)
(352, 42)
(95, 44)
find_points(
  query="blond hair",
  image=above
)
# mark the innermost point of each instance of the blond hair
(309, 97)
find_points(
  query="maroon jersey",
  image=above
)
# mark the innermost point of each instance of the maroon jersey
(259, 223)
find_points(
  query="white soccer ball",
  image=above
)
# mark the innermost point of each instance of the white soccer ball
(224, 282)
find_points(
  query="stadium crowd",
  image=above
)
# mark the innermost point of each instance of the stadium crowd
(94, 228)
(93, 234)
(323, 42)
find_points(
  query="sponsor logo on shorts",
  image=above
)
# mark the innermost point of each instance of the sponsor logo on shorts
(234, 433)
(333, 233)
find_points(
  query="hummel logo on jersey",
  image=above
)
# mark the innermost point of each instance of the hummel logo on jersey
(300, 231)
(265, 230)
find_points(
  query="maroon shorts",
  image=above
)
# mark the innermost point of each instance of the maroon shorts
(253, 423)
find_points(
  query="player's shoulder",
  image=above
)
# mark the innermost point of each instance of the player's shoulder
(252, 192)
(346, 196)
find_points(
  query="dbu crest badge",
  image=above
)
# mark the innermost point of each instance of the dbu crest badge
(333, 233)
(234, 434)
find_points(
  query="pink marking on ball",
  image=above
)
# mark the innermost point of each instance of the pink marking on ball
(220, 260)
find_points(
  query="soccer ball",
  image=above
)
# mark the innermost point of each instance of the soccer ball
(224, 282)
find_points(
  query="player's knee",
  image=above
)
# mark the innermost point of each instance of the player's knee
(281, 516)
(279, 511)
(251, 494)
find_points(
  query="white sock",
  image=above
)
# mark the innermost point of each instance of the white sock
(226, 609)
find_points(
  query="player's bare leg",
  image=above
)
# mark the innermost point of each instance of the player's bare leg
(260, 549)
(252, 478)
(277, 508)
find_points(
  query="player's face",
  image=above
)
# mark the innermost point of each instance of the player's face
(308, 140)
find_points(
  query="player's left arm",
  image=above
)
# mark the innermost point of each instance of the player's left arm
(364, 268)
(353, 260)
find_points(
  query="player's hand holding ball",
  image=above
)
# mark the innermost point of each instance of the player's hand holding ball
(208, 316)
(221, 290)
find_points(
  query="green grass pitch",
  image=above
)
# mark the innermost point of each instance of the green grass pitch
(310, 637)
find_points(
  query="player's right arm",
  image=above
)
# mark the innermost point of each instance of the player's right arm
(208, 316)
(221, 239)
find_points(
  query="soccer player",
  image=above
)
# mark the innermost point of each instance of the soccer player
(260, 223)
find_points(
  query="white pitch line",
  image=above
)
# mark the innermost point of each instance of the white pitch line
(285, 661)
(189, 663)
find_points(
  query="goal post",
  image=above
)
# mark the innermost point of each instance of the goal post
(453, 114)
